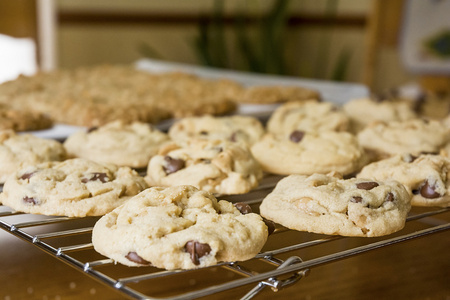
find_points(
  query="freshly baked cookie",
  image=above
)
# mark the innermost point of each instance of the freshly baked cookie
(309, 152)
(22, 119)
(235, 128)
(73, 188)
(426, 177)
(307, 116)
(216, 166)
(178, 228)
(19, 150)
(412, 136)
(364, 111)
(94, 96)
(130, 145)
(268, 94)
(330, 205)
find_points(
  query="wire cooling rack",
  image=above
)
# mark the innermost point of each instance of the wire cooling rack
(278, 266)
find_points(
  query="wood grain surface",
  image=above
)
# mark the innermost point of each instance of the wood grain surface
(416, 269)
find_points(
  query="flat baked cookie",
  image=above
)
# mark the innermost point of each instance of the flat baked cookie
(123, 144)
(94, 96)
(307, 116)
(269, 94)
(309, 152)
(22, 119)
(364, 111)
(412, 136)
(19, 150)
(178, 228)
(235, 128)
(330, 205)
(216, 166)
(73, 188)
(426, 177)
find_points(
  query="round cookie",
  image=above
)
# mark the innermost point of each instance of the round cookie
(130, 145)
(19, 150)
(307, 116)
(412, 136)
(364, 111)
(330, 205)
(178, 228)
(310, 152)
(216, 166)
(236, 128)
(426, 177)
(73, 188)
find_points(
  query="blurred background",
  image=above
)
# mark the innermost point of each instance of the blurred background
(339, 40)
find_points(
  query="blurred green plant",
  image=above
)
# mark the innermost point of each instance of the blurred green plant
(261, 49)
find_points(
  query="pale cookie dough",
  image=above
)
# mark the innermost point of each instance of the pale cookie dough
(130, 145)
(269, 94)
(330, 205)
(73, 188)
(426, 177)
(412, 136)
(364, 111)
(307, 116)
(310, 152)
(178, 228)
(215, 166)
(236, 128)
(19, 150)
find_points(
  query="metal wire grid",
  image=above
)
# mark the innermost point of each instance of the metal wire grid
(291, 269)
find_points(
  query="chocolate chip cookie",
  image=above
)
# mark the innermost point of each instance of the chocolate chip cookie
(413, 136)
(309, 152)
(73, 188)
(123, 144)
(328, 204)
(307, 116)
(178, 228)
(426, 177)
(235, 128)
(364, 111)
(216, 166)
(19, 150)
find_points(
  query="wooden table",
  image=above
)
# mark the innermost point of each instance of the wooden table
(417, 269)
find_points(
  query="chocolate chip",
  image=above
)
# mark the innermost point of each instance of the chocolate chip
(270, 225)
(367, 185)
(30, 200)
(356, 199)
(203, 132)
(197, 250)
(218, 149)
(134, 257)
(428, 191)
(90, 129)
(173, 164)
(244, 208)
(390, 197)
(96, 176)
(27, 175)
(296, 136)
